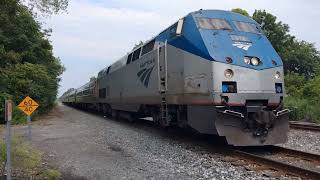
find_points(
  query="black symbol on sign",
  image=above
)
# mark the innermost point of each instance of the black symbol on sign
(28, 108)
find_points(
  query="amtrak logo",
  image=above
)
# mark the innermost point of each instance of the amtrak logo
(242, 45)
(144, 75)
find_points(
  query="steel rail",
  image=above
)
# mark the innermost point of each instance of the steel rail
(310, 127)
(303, 155)
(285, 168)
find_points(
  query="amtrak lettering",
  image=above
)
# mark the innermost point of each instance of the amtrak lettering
(145, 71)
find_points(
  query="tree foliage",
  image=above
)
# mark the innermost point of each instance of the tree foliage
(298, 56)
(241, 11)
(27, 65)
(303, 97)
(301, 65)
(47, 7)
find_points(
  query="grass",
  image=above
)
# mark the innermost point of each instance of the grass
(303, 109)
(26, 160)
(24, 157)
(51, 174)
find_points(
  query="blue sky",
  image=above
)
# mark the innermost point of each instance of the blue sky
(95, 33)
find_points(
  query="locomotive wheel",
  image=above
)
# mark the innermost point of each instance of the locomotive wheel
(132, 118)
(156, 118)
(115, 114)
(106, 110)
(158, 121)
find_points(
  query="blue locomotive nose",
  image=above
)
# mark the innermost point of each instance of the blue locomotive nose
(240, 43)
(216, 35)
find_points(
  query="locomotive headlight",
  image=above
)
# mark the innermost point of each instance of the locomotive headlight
(246, 60)
(255, 61)
(277, 75)
(228, 73)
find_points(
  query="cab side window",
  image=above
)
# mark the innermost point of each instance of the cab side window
(136, 54)
(129, 58)
(148, 47)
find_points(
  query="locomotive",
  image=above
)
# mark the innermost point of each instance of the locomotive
(213, 70)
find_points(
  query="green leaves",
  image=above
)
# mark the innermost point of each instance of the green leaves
(48, 7)
(241, 11)
(298, 56)
(294, 84)
(303, 97)
(27, 65)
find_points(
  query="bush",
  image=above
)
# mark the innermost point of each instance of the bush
(301, 109)
(303, 97)
(294, 84)
(24, 156)
(51, 174)
(26, 160)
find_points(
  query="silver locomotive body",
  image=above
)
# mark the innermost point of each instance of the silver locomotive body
(216, 86)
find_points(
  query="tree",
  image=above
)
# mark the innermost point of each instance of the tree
(47, 7)
(27, 65)
(240, 11)
(277, 32)
(298, 56)
(294, 84)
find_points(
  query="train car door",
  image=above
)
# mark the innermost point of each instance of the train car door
(162, 67)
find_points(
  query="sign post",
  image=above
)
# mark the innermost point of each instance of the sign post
(8, 118)
(28, 106)
(29, 127)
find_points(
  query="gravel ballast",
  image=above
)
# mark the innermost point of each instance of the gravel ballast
(83, 145)
(303, 140)
(87, 146)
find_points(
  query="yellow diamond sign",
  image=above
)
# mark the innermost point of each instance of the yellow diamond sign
(28, 105)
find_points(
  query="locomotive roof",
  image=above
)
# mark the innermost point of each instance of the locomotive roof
(223, 14)
(202, 49)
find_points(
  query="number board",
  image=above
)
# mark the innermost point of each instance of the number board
(28, 105)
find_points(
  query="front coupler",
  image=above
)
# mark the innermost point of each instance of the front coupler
(234, 126)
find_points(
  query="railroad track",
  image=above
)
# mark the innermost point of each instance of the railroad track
(276, 161)
(305, 126)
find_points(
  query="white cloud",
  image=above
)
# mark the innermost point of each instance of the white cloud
(92, 31)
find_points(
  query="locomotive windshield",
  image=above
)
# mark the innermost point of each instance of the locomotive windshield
(214, 23)
(247, 27)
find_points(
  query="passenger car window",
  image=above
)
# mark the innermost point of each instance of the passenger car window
(214, 23)
(247, 27)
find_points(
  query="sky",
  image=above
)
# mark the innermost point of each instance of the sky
(95, 33)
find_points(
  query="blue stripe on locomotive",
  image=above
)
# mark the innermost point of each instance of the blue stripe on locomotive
(216, 45)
